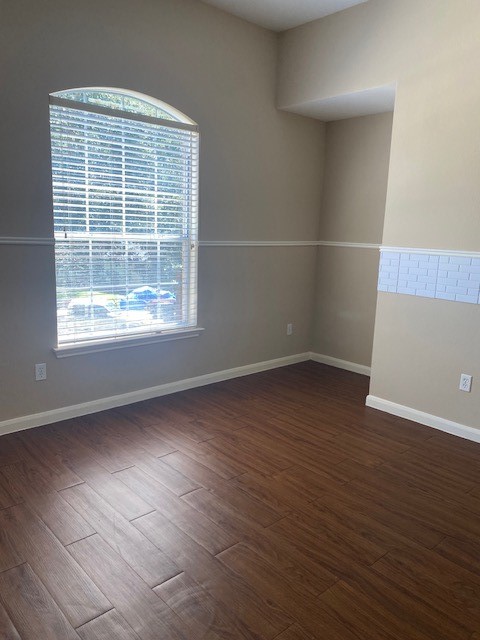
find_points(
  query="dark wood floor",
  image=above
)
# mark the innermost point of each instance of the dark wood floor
(272, 506)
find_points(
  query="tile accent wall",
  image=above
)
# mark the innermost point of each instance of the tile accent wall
(429, 275)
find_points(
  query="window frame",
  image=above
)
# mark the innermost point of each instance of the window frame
(189, 327)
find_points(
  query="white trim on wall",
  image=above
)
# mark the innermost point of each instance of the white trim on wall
(442, 424)
(24, 240)
(257, 243)
(286, 243)
(435, 252)
(340, 364)
(74, 411)
(350, 245)
(19, 240)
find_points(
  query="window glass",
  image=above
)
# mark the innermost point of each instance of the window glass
(125, 216)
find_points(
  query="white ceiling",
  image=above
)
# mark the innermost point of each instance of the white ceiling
(279, 15)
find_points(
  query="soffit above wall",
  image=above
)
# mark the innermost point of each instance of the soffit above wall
(349, 105)
(279, 15)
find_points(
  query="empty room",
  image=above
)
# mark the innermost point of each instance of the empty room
(240, 347)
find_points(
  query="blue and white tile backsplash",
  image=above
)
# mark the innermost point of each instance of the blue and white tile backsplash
(429, 275)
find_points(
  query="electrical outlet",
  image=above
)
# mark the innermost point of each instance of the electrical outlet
(289, 329)
(465, 382)
(41, 371)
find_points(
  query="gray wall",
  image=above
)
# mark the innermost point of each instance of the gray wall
(357, 155)
(259, 181)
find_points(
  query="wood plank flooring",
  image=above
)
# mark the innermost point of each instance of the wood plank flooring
(270, 507)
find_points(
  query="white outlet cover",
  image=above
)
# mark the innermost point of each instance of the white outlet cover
(40, 371)
(465, 382)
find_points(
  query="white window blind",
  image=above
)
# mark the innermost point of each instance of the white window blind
(125, 193)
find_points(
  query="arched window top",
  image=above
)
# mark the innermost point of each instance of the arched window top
(124, 100)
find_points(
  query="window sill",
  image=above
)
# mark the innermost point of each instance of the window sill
(93, 346)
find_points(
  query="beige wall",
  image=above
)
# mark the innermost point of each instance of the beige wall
(430, 48)
(345, 303)
(357, 154)
(259, 181)
(428, 344)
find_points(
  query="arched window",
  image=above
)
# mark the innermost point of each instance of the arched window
(125, 199)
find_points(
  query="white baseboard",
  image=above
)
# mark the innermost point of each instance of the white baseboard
(74, 411)
(454, 428)
(85, 408)
(341, 364)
